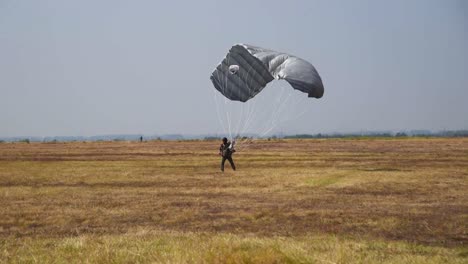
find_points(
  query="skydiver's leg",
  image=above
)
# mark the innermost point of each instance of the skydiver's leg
(232, 163)
(222, 164)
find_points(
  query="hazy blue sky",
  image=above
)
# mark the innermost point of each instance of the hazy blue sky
(108, 67)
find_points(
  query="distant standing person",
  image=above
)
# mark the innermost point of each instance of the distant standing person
(225, 151)
(141, 138)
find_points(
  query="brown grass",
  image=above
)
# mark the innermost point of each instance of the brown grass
(410, 190)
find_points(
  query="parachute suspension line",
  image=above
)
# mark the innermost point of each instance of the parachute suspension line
(297, 116)
(265, 129)
(241, 117)
(228, 124)
(274, 118)
(270, 121)
(217, 110)
(228, 114)
(221, 122)
(250, 108)
(251, 114)
(295, 105)
(279, 110)
(251, 119)
(217, 105)
(245, 107)
(274, 124)
(250, 105)
(280, 101)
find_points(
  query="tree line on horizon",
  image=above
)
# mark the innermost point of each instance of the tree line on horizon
(400, 134)
(447, 133)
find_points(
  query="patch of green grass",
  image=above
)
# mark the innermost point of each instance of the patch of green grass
(324, 180)
(171, 247)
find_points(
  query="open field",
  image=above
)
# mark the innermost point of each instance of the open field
(293, 201)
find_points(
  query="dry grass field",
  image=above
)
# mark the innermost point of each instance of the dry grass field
(291, 201)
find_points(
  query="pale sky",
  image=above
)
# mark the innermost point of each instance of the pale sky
(82, 68)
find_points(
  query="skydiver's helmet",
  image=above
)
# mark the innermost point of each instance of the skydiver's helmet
(224, 140)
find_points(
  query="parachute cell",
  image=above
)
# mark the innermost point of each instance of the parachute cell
(246, 70)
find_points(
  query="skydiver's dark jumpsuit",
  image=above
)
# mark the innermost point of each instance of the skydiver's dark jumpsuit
(227, 155)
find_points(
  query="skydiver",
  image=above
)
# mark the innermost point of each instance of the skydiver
(225, 151)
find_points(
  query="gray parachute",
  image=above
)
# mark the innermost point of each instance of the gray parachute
(246, 70)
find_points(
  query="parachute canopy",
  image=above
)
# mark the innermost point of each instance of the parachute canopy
(246, 70)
